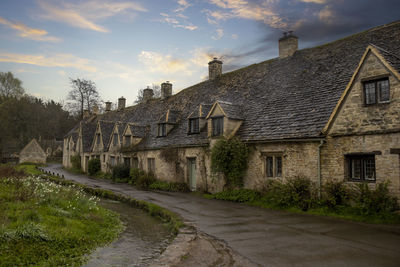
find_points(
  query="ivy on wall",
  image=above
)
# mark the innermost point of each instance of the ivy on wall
(229, 156)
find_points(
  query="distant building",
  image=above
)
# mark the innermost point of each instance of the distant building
(32, 152)
(328, 112)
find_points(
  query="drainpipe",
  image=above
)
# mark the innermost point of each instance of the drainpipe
(319, 167)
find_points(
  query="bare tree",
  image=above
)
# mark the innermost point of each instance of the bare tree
(84, 95)
(156, 90)
(10, 86)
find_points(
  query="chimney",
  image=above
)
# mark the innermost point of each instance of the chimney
(166, 90)
(121, 102)
(95, 110)
(108, 106)
(288, 44)
(86, 113)
(147, 94)
(214, 68)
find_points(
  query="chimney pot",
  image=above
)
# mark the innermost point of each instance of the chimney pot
(214, 68)
(121, 102)
(166, 90)
(86, 113)
(288, 44)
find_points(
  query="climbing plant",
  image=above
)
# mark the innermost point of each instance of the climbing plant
(229, 156)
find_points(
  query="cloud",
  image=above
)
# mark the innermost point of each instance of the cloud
(220, 34)
(58, 60)
(176, 23)
(183, 4)
(28, 32)
(314, 1)
(234, 36)
(85, 14)
(254, 10)
(157, 62)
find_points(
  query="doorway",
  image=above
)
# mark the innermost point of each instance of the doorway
(192, 173)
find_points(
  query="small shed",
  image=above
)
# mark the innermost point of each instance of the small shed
(32, 152)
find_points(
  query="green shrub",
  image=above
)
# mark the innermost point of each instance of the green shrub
(238, 195)
(375, 201)
(145, 180)
(169, 186)
(76, 162)
(134, 175)
(229, 156)
(94, 166)
(120, 172)
(335, 194)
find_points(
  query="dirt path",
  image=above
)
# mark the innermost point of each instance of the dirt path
(272, 238)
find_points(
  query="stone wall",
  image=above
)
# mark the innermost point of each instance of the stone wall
(356, 118)
(386, 164)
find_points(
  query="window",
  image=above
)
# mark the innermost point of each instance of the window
(361, 167)
(98, 139)
(376, 91)
(127, 162)
(104, 158)
(127, 140)
(162, 129)
(135, 163)
(112, 161)
(217, 126)
(115, 140)
(151, 166)
(273, 165)
(194, 126)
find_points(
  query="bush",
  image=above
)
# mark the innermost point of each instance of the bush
(121, 172)
(229, 156)
(134, 175)
(145, 180)
(76, 162)
(335, 194)
(94, 166)
(238, 195)
(169, 186)
(378, 201)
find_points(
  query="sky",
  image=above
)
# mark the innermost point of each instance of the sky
(124, 46)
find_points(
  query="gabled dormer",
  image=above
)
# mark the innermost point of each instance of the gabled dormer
(197, 119)
(115, 142)
(167, 122)
(98, 145)
(132, 134)
(224, 119)
(371, 101)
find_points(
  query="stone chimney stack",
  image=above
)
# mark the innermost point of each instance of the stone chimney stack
(147, 94)
(121, 102)
(214, 68)
(166, 90)
(108, 106)
(95, 110)
(86, 113)
(288, 44)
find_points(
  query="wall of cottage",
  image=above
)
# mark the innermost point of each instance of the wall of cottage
(299, 159)
(355, 117)
(387, 165)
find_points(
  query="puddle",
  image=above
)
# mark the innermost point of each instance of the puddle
(143, 239)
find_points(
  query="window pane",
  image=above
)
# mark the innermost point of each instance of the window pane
(370, 93)
(135, 163)
(112, 161)
(384, 94)
(369, 169)
(270, 166)
(115, 139)
(278, 166)
(356, 169)
(194, 125)
(128, 140)
(98, 139)
(218, 126)
(150, 165)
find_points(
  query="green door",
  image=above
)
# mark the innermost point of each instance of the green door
(192, 173)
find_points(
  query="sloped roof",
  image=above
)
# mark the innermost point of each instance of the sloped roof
(201, 111)
(170, 116)
(88, 130)
(392, 59)
(138, 130)
(281, 98)
(33, 147)
(231, 110)
(106, 128)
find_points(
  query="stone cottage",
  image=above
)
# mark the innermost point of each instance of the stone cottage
(327, 112)
(32, 152)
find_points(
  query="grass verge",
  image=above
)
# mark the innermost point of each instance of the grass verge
(45, 224)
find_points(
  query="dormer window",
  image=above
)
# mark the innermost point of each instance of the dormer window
(217, 126)
(115, 140)
(162, 129)
(376, 91)
(194, 126)
(127, 140)
(98, 139)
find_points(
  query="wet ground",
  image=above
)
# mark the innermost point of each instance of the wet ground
(143, 239)
(273, 238)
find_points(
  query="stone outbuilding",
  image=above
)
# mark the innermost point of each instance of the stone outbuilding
(32, 152)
